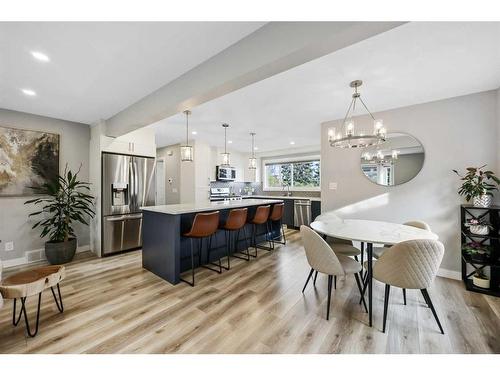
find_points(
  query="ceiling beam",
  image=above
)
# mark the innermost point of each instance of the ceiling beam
(272, 49)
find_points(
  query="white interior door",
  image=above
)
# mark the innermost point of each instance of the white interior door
(160, 181)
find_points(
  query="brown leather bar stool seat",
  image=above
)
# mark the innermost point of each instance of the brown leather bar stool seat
(261, 217)
(235, 222)
(204, 226)
(277, 217)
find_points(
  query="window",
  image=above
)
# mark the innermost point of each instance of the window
(298, 175)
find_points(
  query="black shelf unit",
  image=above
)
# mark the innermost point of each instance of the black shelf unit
(492, 216)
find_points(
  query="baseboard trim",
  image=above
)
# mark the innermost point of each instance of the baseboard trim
(449, 274)
(23, 260)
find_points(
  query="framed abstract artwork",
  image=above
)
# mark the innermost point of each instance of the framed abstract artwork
(28, 158)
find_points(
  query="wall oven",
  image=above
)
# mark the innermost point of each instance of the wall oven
(225, 173)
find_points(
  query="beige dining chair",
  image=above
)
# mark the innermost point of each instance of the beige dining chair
(322, 258)
(410, 265)
(341, 247)
(378, 251)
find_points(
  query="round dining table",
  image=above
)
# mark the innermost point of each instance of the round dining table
(369, 232)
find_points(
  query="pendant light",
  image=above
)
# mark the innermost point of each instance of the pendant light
(349, 136)
(225, 155)
(187, 150)
(252, 161)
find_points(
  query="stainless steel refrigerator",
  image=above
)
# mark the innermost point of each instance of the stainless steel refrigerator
(128, 182)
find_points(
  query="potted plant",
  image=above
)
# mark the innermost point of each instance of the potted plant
(480, 279)
(478, 226)
(477, 185)
(478, 252)
(64, 202)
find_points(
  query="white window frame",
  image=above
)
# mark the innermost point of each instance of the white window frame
(289, 160)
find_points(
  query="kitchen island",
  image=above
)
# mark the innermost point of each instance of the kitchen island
(166, 253)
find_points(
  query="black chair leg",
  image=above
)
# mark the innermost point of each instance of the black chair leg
(283, 232)
(356, 258)
(404, 296)
(23, 309)
(59, 303)
(362, 255)
(254, 240)
(308, 278)
(315, 277)
(209, 251)
(335, 282)
(329, 297)
(429, 302)
(360, 291)
(386, 303)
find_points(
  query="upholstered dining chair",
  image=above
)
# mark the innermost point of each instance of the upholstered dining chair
(410, 265)
(322, 258)
(341, 247)
(378, 251)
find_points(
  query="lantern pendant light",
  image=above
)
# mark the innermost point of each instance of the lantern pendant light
(187, 150)
(252, 161)
(225, 155)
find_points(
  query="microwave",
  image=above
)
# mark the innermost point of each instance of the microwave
(225, 173)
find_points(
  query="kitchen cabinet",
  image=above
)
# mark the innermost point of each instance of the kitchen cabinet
(288, 213)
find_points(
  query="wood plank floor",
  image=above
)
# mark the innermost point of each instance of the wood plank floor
(112, 305)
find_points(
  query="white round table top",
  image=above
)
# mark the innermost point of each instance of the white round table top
(370, 231)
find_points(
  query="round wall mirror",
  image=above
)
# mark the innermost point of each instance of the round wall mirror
(393, 162)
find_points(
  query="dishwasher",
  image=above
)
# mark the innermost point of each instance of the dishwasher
(302, 212)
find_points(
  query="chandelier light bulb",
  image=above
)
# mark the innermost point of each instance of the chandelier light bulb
(350, 128)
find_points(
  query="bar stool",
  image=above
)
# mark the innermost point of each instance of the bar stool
(277, 216)
(261, 217)
(204, 226)
(235, 222)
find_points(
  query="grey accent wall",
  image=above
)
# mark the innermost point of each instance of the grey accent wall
(455, 133)
(74, 150)
(172, 157)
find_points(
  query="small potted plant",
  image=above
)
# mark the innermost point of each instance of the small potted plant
(478, 252)
(64, 202)
(481, 280)
(478, 185)
(478, 226)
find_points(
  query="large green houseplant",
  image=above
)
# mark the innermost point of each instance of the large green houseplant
(64, 201)
(478, 185)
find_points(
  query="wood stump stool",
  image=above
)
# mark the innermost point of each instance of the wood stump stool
(30, 283)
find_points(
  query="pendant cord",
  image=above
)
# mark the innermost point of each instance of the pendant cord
(187, 129)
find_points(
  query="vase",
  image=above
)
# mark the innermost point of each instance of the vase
(482, 201)
(482, 283)
(481, 230)
(60, 252)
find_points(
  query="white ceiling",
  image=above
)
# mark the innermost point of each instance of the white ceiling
(414, 63)
(98, 69)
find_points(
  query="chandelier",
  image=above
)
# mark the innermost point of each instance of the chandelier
(349, 136)
(378, 157)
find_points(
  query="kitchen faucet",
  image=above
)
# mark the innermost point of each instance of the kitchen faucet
(288, 193)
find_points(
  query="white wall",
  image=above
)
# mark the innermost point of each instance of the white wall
(455, 133)
(14, 223)
(172, 157)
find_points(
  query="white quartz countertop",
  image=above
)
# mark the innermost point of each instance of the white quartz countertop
(316, 199)
(186, 208)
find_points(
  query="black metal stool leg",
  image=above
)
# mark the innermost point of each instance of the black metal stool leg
(247, 258)
(15, 321)
(209, 251)
(254, 240)
(315, 277)
(59, 303)
(192, 266)
(23, 309)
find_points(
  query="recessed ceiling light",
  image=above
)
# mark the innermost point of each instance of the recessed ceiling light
(194, 132)
(255, 148)
(40, 56)
(292, 142)
(229, 141)
(28, 92)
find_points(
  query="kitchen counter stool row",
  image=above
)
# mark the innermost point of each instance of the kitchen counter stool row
(207, 224)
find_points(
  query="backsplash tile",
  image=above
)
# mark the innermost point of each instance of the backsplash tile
(239, 188)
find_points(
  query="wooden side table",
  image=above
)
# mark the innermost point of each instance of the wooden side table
(30, 283)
